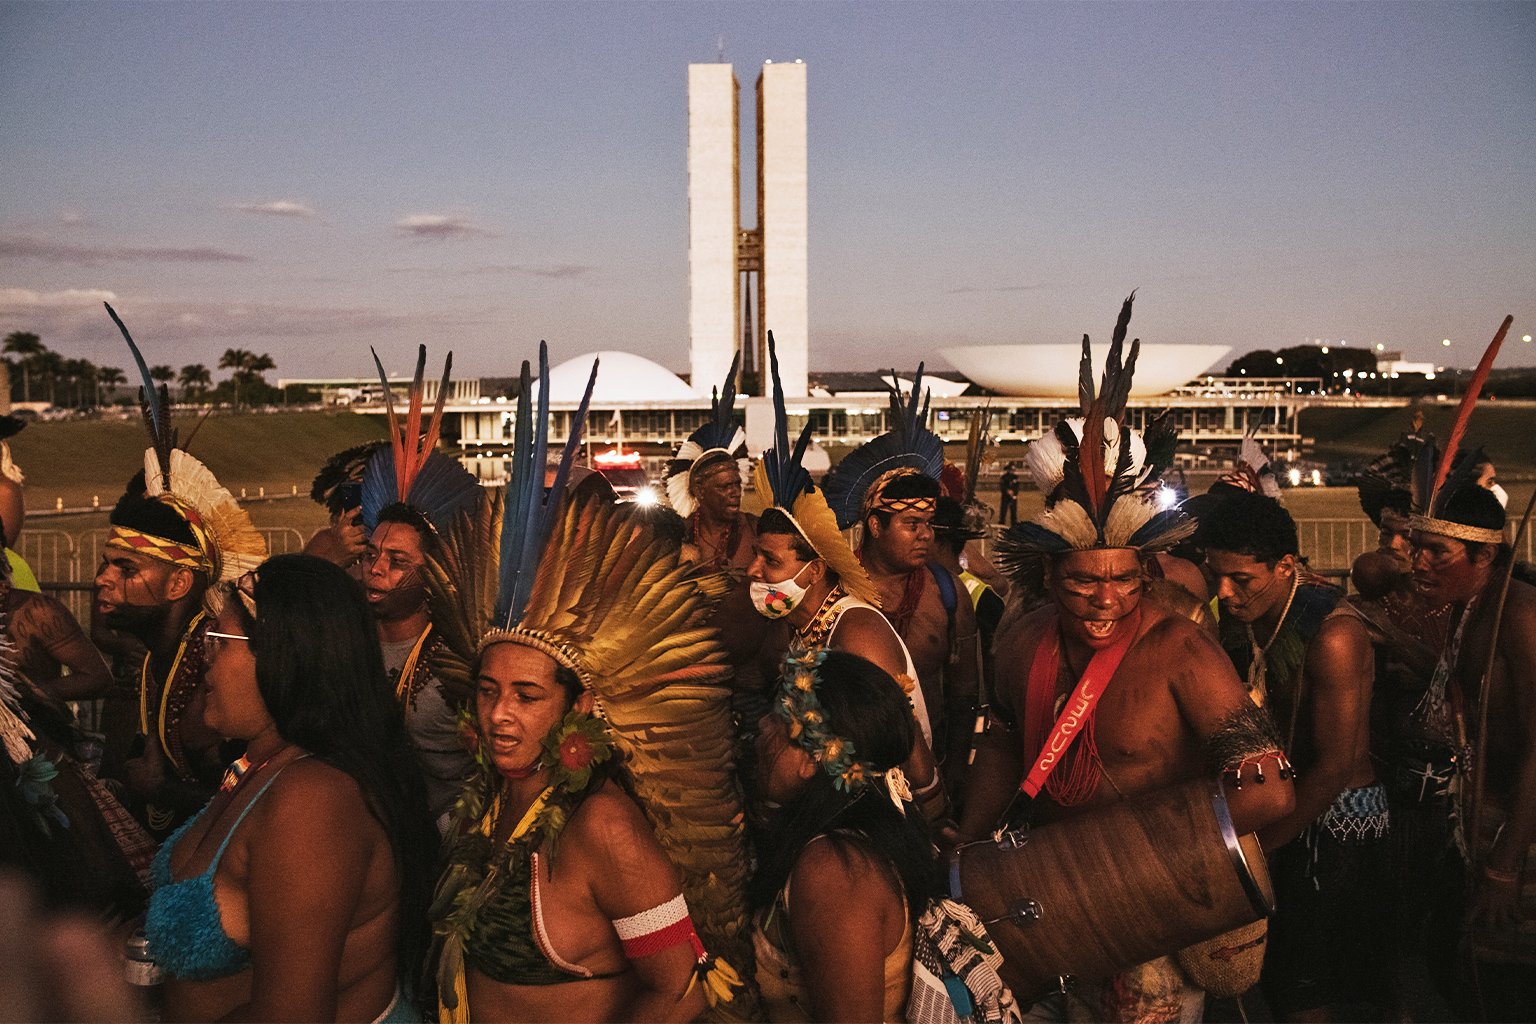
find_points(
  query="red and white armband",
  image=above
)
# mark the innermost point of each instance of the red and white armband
(662, 927)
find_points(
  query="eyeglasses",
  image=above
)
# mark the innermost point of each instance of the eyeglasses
(214, 641)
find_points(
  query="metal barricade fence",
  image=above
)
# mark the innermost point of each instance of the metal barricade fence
(65, 564)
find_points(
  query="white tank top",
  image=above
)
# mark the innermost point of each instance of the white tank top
(919, 705)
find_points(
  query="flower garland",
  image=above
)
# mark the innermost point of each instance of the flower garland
(801, 709)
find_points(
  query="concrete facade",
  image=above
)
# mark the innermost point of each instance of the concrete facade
(783, 217)
(721, 253)
(714, 219)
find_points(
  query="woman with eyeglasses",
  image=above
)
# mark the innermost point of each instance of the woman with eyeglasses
(299, 891)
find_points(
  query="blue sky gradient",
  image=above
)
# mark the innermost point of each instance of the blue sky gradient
(308, 179)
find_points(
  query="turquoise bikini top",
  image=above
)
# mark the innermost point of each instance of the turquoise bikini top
(186, 936)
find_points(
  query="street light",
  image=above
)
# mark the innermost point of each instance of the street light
(1445, 342)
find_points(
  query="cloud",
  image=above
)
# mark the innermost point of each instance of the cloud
(71, 217)
(278, 208)
(27, 298)
(26, 247)
(76, 317)
(968, 289)
(554, 271)
(437, 225)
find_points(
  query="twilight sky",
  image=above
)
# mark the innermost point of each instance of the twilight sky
(306, 179)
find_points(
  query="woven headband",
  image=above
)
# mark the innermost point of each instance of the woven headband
(1456, 531)
(161, 549)
(876, 501)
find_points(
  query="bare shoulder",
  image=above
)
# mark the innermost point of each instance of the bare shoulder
(1020, 630)
(608, 819)
(311, 793)
(1173, 635)
(865, 632)
(836, 865)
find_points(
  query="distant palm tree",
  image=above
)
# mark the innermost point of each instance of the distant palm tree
(162, 374)
(79, 374)
(246, 367)
(109, 377)
(195, 379)
(25, 346)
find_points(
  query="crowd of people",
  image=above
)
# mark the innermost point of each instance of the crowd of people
(531, 753)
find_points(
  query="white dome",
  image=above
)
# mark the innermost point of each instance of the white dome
(1051, 370)
(622, 377)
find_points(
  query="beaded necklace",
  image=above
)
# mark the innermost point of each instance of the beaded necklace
(407, 684)
(816, 632)
(170, 739)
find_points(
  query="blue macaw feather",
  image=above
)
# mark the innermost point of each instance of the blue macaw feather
(530, 511)
(378, 485)
(155, 403)
(787, 478)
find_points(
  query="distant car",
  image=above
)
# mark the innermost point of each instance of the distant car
(625, 471)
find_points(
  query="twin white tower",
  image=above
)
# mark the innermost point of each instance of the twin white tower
(723, 257)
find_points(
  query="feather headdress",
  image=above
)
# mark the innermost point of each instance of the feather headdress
(410, 470)
(1386, 486)
(598, 589)
(782, 481)
(226, 545)
(719, 441)
(855, 484)
(1094, 471)
(1441, 474)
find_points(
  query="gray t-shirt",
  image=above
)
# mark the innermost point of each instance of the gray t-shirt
(433, 725)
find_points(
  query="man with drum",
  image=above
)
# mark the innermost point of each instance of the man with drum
(1102, 696)
(1307, 657)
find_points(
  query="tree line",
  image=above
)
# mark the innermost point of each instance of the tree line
(39, 374)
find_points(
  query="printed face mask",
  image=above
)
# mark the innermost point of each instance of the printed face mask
(776, 600)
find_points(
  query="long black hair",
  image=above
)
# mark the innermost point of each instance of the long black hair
(321, 674)
(865, 706)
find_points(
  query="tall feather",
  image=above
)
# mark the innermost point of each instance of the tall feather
(787, 477)
(1468, 403)
(530, 514)
(1085, 379)
(976, 443)
(155, 402)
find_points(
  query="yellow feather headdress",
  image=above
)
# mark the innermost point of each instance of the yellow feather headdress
(610, 600)
(781, 479)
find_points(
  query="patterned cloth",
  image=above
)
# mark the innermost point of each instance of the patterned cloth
(951, 950)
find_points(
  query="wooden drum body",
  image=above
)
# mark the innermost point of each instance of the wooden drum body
(1115, 887)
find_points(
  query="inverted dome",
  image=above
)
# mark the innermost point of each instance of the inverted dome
(1050, 371)
(622, 378)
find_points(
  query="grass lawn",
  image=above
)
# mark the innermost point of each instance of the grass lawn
(1505, 431)
(78, 460)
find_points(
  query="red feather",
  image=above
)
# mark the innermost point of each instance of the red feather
(1090, 457)
(1464, 413)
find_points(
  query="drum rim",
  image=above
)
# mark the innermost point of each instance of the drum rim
(1262, 903)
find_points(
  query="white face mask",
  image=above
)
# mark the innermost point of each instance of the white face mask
(776, 600)
(1501, 494)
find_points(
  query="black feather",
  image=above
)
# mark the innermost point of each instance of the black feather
(1085, 393)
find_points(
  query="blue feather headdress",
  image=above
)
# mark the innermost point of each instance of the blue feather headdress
(1096, 472)
(719, 440)
(855, 484)
(410, 470)
(782, 481)
(530, 509)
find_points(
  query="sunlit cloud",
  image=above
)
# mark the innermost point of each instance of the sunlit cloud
(437, 225)
(71, 217)
(278, 208)
(27, 247)
(555, 271)
(28, 298)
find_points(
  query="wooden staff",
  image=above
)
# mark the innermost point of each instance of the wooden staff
(1486, 683)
